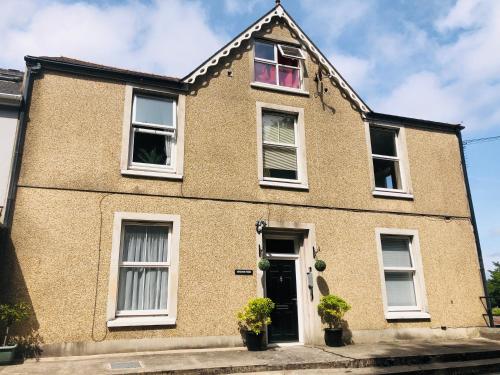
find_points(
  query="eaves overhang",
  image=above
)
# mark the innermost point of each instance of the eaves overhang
(78, 67)
(412, 122)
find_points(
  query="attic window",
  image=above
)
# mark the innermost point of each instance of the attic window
(291, 52)
(278, 64)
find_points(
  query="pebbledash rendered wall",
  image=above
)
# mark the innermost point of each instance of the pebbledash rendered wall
(71, 186)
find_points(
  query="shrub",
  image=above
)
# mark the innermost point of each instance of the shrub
(332, 309)
(10, 314)
(255, 315)
(495, 310)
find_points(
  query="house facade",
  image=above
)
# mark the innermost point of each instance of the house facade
(144, 204)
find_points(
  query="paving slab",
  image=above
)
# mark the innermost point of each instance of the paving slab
(239, 360)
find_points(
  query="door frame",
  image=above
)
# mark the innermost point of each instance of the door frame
(298, 245)
(309, 322)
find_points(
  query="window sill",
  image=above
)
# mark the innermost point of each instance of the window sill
(288, 185)
(266, 86)
(141, 321)
(166, 175)
(401, 315)
(392, 194)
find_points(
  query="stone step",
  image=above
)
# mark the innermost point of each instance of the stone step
(484, 366)
(470, 356)
(470, 362)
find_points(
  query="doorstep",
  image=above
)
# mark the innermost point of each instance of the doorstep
(238, 360)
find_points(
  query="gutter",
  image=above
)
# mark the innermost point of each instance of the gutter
(10, 100)
(476, 232)
(106, 73)
(31, 72)
(413, 122)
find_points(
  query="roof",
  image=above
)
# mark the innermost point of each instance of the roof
(11, 81)
(279, 11)
(410, 121)
(67, 64)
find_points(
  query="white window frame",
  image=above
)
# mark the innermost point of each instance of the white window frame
(130, 126)
(276, 85)
(401, 157)
(116, 318)
(421, 310)
(301, 181)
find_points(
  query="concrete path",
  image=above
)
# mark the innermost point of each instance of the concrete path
(286, 360)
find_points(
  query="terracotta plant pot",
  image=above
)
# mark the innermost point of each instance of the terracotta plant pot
(7, 354)
(255, 342)
(333, 337)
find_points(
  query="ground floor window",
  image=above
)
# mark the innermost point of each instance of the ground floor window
(143, 275)
(401, 274)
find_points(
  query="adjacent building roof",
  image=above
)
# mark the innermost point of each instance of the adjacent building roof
(11, 81)
(11, 84)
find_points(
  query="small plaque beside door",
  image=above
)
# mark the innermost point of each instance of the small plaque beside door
(243, 272)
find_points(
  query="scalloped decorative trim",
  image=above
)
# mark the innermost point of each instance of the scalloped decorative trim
(247, 34)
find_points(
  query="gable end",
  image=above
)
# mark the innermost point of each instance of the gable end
(279, 12)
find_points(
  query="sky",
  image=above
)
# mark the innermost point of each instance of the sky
(432, 59)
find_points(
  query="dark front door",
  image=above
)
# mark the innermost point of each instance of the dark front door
(282, 289)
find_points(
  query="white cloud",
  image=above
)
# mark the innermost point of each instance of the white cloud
(408, 42)
(242, 7)
(476, 53)
(464, 14)
(462, 84)
(132, 34)
(333, 16)
(354, 69)
(422, 95)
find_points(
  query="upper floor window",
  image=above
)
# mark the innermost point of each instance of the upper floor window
(281, 146)
(386, 163)
(389, 162)
(278, 64)
(153, 134)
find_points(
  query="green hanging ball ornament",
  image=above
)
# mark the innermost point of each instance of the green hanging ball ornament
(264, 264)
(320, 265)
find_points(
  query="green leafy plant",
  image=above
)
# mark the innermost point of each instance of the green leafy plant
(255, 315)
(10, 314)
(264, 264)
(332, 309)
(495, 310)
(151, 157)
(494, 284)
(320, 265)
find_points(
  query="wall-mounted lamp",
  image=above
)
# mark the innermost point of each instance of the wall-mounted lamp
(315, 251)
(260, 225)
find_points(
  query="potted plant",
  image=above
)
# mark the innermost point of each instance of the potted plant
(10, 314)
(253, 319)
(332, 309)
